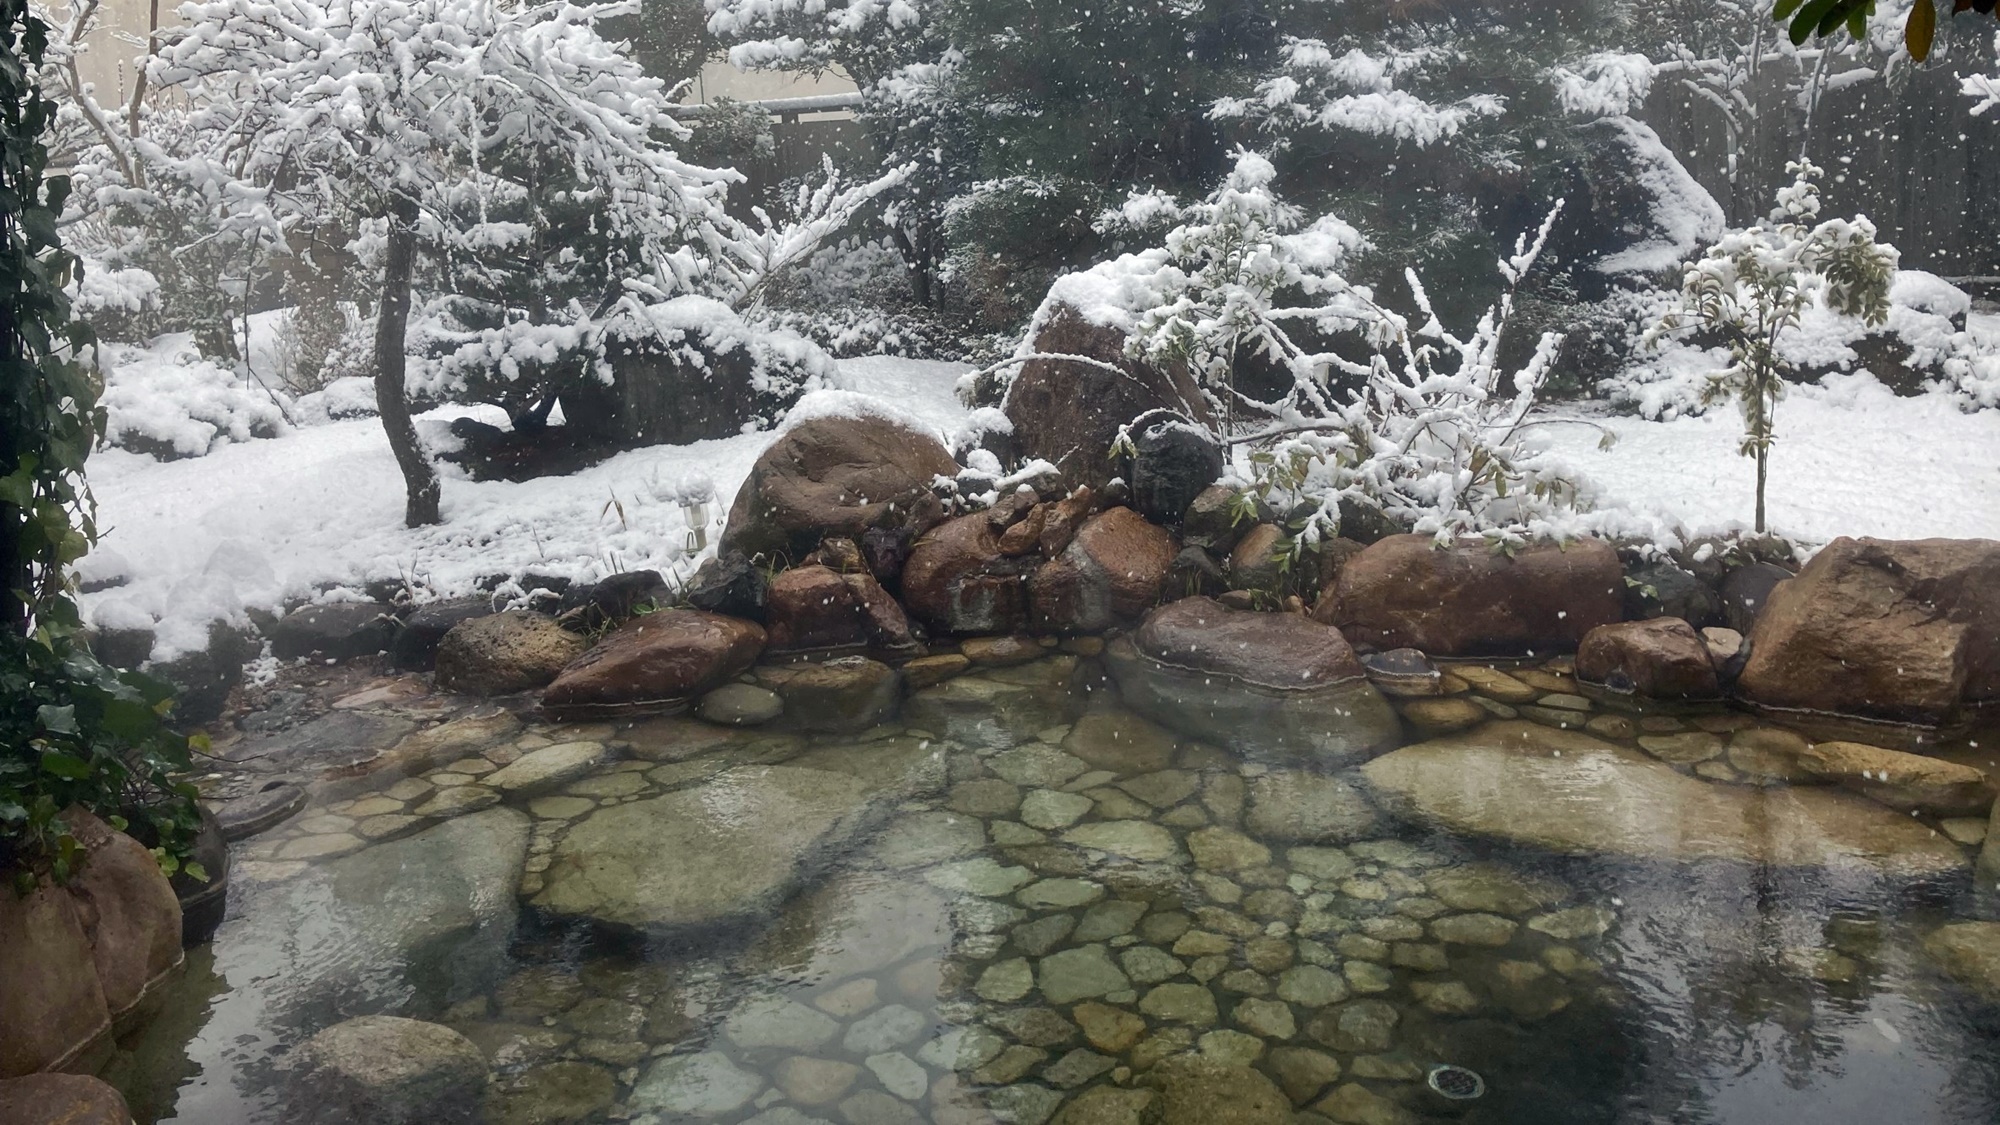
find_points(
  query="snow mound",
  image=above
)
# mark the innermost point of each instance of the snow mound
(163, 399)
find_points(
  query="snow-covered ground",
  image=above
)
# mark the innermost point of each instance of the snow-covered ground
(1851, 459)
(264, 522)
(261, 523)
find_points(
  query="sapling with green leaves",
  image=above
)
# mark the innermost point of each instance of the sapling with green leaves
(1754, 287)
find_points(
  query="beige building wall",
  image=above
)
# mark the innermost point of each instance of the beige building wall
(117, 39)
(718, 79)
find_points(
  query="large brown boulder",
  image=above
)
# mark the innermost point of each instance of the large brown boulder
(816, 609)
(1663, 658)
(1471, 600)
(1069, 413)
(1899, 631)
(505, 653)
(130, 911)
(1271, 685)
(1111, 572)
(654, 663)
(74, 957)
(836, 476)
(61, 1099)
(958, 581)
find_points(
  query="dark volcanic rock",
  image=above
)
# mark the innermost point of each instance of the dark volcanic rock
(416, 644)
(730, 584)
(1173, 461)
(341, 631)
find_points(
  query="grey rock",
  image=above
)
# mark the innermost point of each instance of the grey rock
(383, 1068)
(704, 1085)
(1505, 782)
(740, 705)
(742, 842)
(1079, 974)
(1293, 806)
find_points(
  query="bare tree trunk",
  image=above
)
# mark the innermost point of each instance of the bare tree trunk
(391, 362)
(1763, 465)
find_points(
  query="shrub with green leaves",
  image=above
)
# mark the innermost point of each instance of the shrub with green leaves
(1751, 289)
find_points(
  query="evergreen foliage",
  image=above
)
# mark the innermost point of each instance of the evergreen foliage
(73, 733)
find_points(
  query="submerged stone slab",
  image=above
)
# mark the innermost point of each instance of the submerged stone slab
(1267, 685)
(1571, 793)
(732, 847)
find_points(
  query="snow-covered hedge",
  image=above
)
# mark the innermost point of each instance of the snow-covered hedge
(165, 400)
(1932, 340)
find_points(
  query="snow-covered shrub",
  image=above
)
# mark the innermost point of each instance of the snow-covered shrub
(167, 401)
(1430, 427)
(350, 396)
(1752, 289)
(855, 298)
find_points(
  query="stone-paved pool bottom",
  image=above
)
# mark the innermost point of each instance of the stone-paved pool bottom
(1021, 904)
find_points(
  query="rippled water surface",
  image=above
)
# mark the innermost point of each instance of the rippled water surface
(1019, 894)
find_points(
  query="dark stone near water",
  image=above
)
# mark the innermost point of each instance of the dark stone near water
(1747, 590)
(1173, 461)
(203, 680)
(1470, 600)
(660, 661)
(416, 644)
(341, 631)
(1111, 571)
(504, 654)
(616, 598)
(836, 477)
(885, 550)
(1660, 659)
(1195, 573)
(61, 1099)
(204, 901)
(1661, 589)
(261, 811)
(731, 585)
